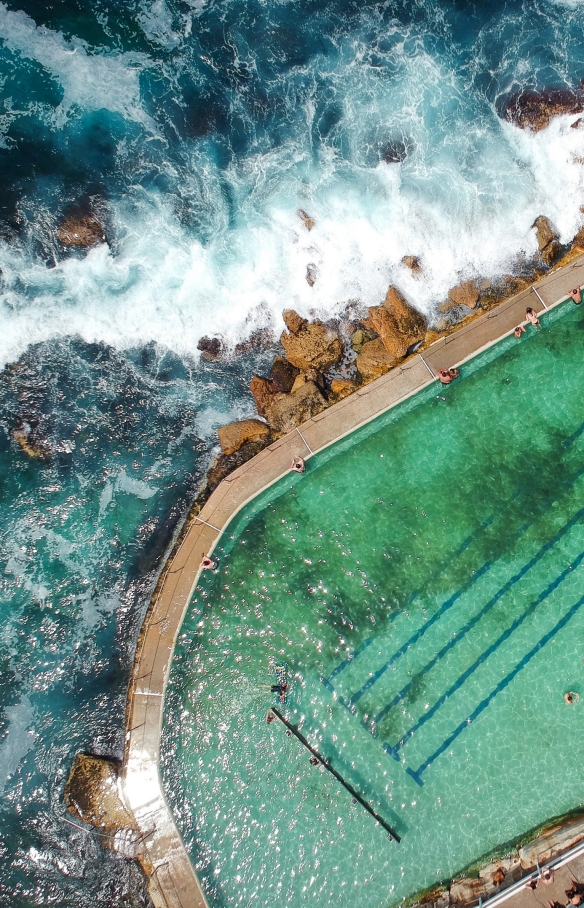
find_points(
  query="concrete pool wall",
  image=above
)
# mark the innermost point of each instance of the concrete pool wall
(173, 881)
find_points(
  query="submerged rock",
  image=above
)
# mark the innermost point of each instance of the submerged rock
(374, 359)
(534, 109)
(290, 410)
(311, 274)
(398, 324)
(33, 448)
(81, 229)
(396, 151)
(312, 346)
(234, 435)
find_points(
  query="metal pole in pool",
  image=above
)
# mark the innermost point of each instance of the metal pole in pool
(392, 834)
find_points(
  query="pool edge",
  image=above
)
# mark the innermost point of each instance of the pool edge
(173, 880)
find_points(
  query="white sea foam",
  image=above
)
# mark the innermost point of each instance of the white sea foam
(90, 81)
(463, 201)
(19, 740)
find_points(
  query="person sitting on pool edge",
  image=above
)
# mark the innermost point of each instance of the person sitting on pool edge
(446, 375)
(207, 563)
(519, 330)
(298, 464)
(531, 316)
(576, 295)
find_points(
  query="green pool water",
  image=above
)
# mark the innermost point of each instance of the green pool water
(424, 582)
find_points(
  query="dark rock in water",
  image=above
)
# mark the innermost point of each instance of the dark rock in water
(81, 225)
(34, 448)
(534, 109)
(396, 152)
(258, 341)
(308, 221)
(210, 347)
(283, 374)
(233, 436)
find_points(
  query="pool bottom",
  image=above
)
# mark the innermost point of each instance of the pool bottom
(451, 540)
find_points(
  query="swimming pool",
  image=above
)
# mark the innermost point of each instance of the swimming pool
(423, 582)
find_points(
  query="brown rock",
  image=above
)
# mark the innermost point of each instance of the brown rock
(263, 391)
(545, 231)
(312, 347)
(552, 252)
(81, 230)
(413, 263)
(293, 321)
(534, 109)
(283, 374)
(311, 273)
(467, 891)
(577, 123)
(342, 387)
(579, 239)
(210, 347)
(465, 294)
(398, 324)
(290, 410)
(93, 794)
(308, 221)
(236, 434)
(374, 360)
(225, 464)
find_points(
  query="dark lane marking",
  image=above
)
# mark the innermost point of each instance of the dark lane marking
(419, 633)
(417, 774)
(394, 751)
(342, 665)
(485, 609)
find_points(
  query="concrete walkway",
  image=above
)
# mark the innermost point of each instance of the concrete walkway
(174, 883)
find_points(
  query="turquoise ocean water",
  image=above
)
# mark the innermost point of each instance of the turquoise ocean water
(196, 130)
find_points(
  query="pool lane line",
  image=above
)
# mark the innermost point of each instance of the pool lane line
(464, 630)
(343, 665)
(416, 774)
(394, 750)
(349, 704)
(347, 785)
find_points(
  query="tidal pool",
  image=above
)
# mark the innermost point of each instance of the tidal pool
(423, 580)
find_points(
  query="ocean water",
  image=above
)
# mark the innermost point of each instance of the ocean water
(196, 130)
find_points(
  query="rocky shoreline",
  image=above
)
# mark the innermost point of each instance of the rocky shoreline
(321, 362)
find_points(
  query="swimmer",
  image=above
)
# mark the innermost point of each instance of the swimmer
(298, 464)
(519, 331)
(207, 563)
(531, 316)
(576, 295)
(270, 717)
(314, 761)
(447, 375)
(571, 697)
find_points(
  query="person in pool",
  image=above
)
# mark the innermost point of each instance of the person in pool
(298, 464)
(531, 316)
(207, 563)
(576, 295)
(447, 375)
(571, 697)
(519, 331)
